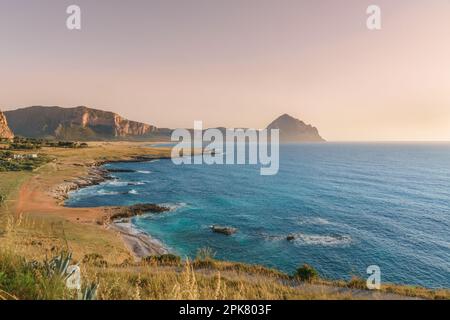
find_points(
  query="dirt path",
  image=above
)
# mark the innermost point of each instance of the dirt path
(35, 198)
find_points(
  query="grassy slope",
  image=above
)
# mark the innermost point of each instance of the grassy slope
(33, 234)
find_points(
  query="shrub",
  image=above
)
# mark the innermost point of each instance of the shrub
(206, 254)
(164, 259)
(95, 259)
(357, 283)
(22, 280)
(306, 273)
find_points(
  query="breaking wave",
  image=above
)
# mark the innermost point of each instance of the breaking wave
(174, 206)
(104, 192)
(312, 221)
(315, 239)
(117, 183)
(322, 240)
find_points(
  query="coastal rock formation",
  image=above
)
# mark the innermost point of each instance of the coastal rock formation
(95, 176)
(135, 210)
(123, 213)
(5, 131)
(80, 123)
(290, 237)
(294, 130)
(224, 230)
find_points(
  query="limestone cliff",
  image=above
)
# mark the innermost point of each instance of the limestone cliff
(5, 131)
(80, 123)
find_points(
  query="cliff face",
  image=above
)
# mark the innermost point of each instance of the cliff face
(294, 130)
(5, 132)
(80, 123)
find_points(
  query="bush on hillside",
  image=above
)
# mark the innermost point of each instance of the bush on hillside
(306, 273)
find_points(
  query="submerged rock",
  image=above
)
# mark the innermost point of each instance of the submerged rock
(290, 237)
(224, 230)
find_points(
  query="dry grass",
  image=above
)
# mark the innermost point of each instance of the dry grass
(388, 288)
(159, 278)
(168, 283)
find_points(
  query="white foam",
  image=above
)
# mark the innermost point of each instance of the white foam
(117, 183)
(106, 193)
(174, 206)
(144, 171)
(135, 183)
(315, 239)
(312, 221)
(133, 191)
(321, 240)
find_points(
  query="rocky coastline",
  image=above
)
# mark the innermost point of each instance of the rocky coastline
(95, 176)
(139, 243)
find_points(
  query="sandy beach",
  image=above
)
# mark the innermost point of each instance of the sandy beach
(138, 242)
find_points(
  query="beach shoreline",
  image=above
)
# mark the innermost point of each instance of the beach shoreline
(140, 243)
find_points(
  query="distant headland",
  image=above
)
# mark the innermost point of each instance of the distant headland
(83, 123)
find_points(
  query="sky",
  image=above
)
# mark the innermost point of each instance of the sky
(237, 63)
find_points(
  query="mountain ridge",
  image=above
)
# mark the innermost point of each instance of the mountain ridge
(78, 123)
(83, 123)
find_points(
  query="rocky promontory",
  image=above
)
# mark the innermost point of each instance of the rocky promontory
(295, 130)
(5, 131)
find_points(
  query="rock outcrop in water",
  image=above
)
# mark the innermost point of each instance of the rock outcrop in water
(5, 131)
(80, 123)
(294, 130)
(290, 237)
(136, 210)
(224, 230)
(125, 212)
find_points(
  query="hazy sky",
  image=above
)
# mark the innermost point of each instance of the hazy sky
(237, 63)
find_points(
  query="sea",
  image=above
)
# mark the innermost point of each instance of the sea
(348, 205)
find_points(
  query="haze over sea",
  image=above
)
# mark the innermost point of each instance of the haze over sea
(350, 205)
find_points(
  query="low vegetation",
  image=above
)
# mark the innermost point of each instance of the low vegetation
(170, 277)
(20, 143)
(306, 273)
(10, 161)
(23, 158)
(34, 280)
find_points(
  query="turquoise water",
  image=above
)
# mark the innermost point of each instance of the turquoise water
(350, 206)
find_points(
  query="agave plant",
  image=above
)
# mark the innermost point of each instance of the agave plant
(58, 266)
(90, 292)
